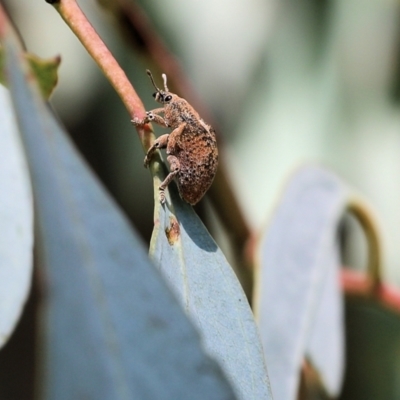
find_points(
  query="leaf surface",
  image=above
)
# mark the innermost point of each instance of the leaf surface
(298, 301)
(16, 216)
(210, 293)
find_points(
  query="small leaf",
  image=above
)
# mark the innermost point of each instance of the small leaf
(299, 302)
(16, 216)
(45, 71)
(210, 293)
(113, 330)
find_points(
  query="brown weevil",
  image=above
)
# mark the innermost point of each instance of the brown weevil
(191, 147)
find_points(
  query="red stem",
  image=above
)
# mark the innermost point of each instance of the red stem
(79, 24)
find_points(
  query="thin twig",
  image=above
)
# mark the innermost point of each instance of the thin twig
(3, 22)
(364, 215)
(71, 13)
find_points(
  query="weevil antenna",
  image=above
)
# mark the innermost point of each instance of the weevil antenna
(152, 79)
(165, 82)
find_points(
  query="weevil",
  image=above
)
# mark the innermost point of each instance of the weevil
(191, 146)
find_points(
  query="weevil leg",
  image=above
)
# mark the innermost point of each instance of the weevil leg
(156, 111)
(159, 143)
(174, 137)
(175, 167)
(151, 116)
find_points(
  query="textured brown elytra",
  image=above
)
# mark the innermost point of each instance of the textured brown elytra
(191, 146)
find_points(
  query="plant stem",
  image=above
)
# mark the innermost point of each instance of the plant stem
(365, 217)
(3, 21)
(71, 13)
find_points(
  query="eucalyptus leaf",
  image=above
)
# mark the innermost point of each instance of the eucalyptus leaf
(298, 301)
(16, 216)
(210, 293)
(112, 328)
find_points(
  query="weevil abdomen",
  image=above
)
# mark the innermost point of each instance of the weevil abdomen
(198, 157)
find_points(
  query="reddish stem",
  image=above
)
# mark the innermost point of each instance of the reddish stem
(365, 217)
(3, 21)
(79, 24)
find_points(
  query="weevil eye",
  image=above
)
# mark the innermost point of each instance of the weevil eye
(168, 98)
(155, 94)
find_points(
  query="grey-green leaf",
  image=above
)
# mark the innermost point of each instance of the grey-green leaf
(299, 301)
(209, 291)
(112, 328)
(16, 216)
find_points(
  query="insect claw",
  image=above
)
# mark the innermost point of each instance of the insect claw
(137, 122)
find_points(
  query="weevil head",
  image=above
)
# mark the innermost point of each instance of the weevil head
(161, 96)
